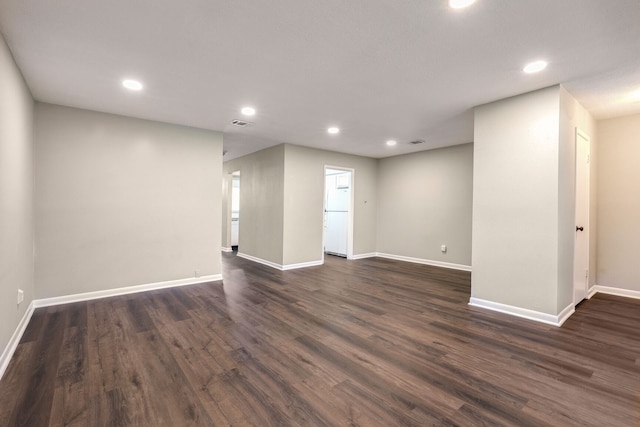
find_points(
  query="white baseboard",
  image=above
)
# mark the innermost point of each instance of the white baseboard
(592, 291)
(355, 257)
(425, 261)
(260, 260)
(550, 319)
(280, 266)
(363, 256)
(87, 296)
(616, 291)
(223, 249)
(15, 339)
(566, 313)
(302, 265)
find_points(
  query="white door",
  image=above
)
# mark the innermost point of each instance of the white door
(581, 251)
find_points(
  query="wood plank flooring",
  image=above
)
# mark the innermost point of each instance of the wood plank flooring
(351, 343)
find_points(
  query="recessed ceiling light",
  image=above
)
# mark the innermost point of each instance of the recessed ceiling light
(459, 4)
(635, 95)
(391, 143)
(535, 66)
(248, 111)
(132, 84)
(333, 130)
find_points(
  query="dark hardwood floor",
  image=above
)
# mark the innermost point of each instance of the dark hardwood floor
(368, 342)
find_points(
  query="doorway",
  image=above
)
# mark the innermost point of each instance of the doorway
(581, 247)
(235, 210)
(338, 212)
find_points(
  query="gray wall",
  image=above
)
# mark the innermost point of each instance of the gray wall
(304, 202)
(122, 201)
(619, 202)
(425, 200)
(515, 201)
(16, 194)
(281, 200)
(261, 203)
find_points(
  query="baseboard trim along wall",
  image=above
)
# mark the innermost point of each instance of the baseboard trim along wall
(260, 260)
(280, 267)
(425, 261)
(550, 319)
(223, 249)
(15, 339)
(87, 296)
(566, 313)
(302, 265)
(363, 256)
(356, 257)
(615, 291)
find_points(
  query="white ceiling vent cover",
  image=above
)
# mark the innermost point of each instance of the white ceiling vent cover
(240, 123)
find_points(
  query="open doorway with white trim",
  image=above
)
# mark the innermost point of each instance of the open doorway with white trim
(338, 212)
(235, 210)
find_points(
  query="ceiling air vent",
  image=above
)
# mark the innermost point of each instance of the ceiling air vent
(416, 142)
(240, 123)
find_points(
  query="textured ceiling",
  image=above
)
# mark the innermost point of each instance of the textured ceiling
(394, 69)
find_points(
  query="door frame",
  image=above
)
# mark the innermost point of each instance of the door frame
(579, 134)
(235, 174)
(351, 206)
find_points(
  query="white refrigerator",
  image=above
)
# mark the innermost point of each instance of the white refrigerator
(337, 204)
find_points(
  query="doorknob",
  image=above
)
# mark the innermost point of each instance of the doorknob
(579, 228)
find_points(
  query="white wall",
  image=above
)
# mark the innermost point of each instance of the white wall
(619, 203)
(425, 200)
(515, 201)
(16, 195)
(122, 201)
(304, 202)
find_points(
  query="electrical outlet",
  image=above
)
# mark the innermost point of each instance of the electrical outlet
(443, 248)
(20, 296)
(196, 273)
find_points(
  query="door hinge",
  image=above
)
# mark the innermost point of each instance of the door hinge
(586, 274)
(588, 158)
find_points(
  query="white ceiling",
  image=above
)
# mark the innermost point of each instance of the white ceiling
(378, 69)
